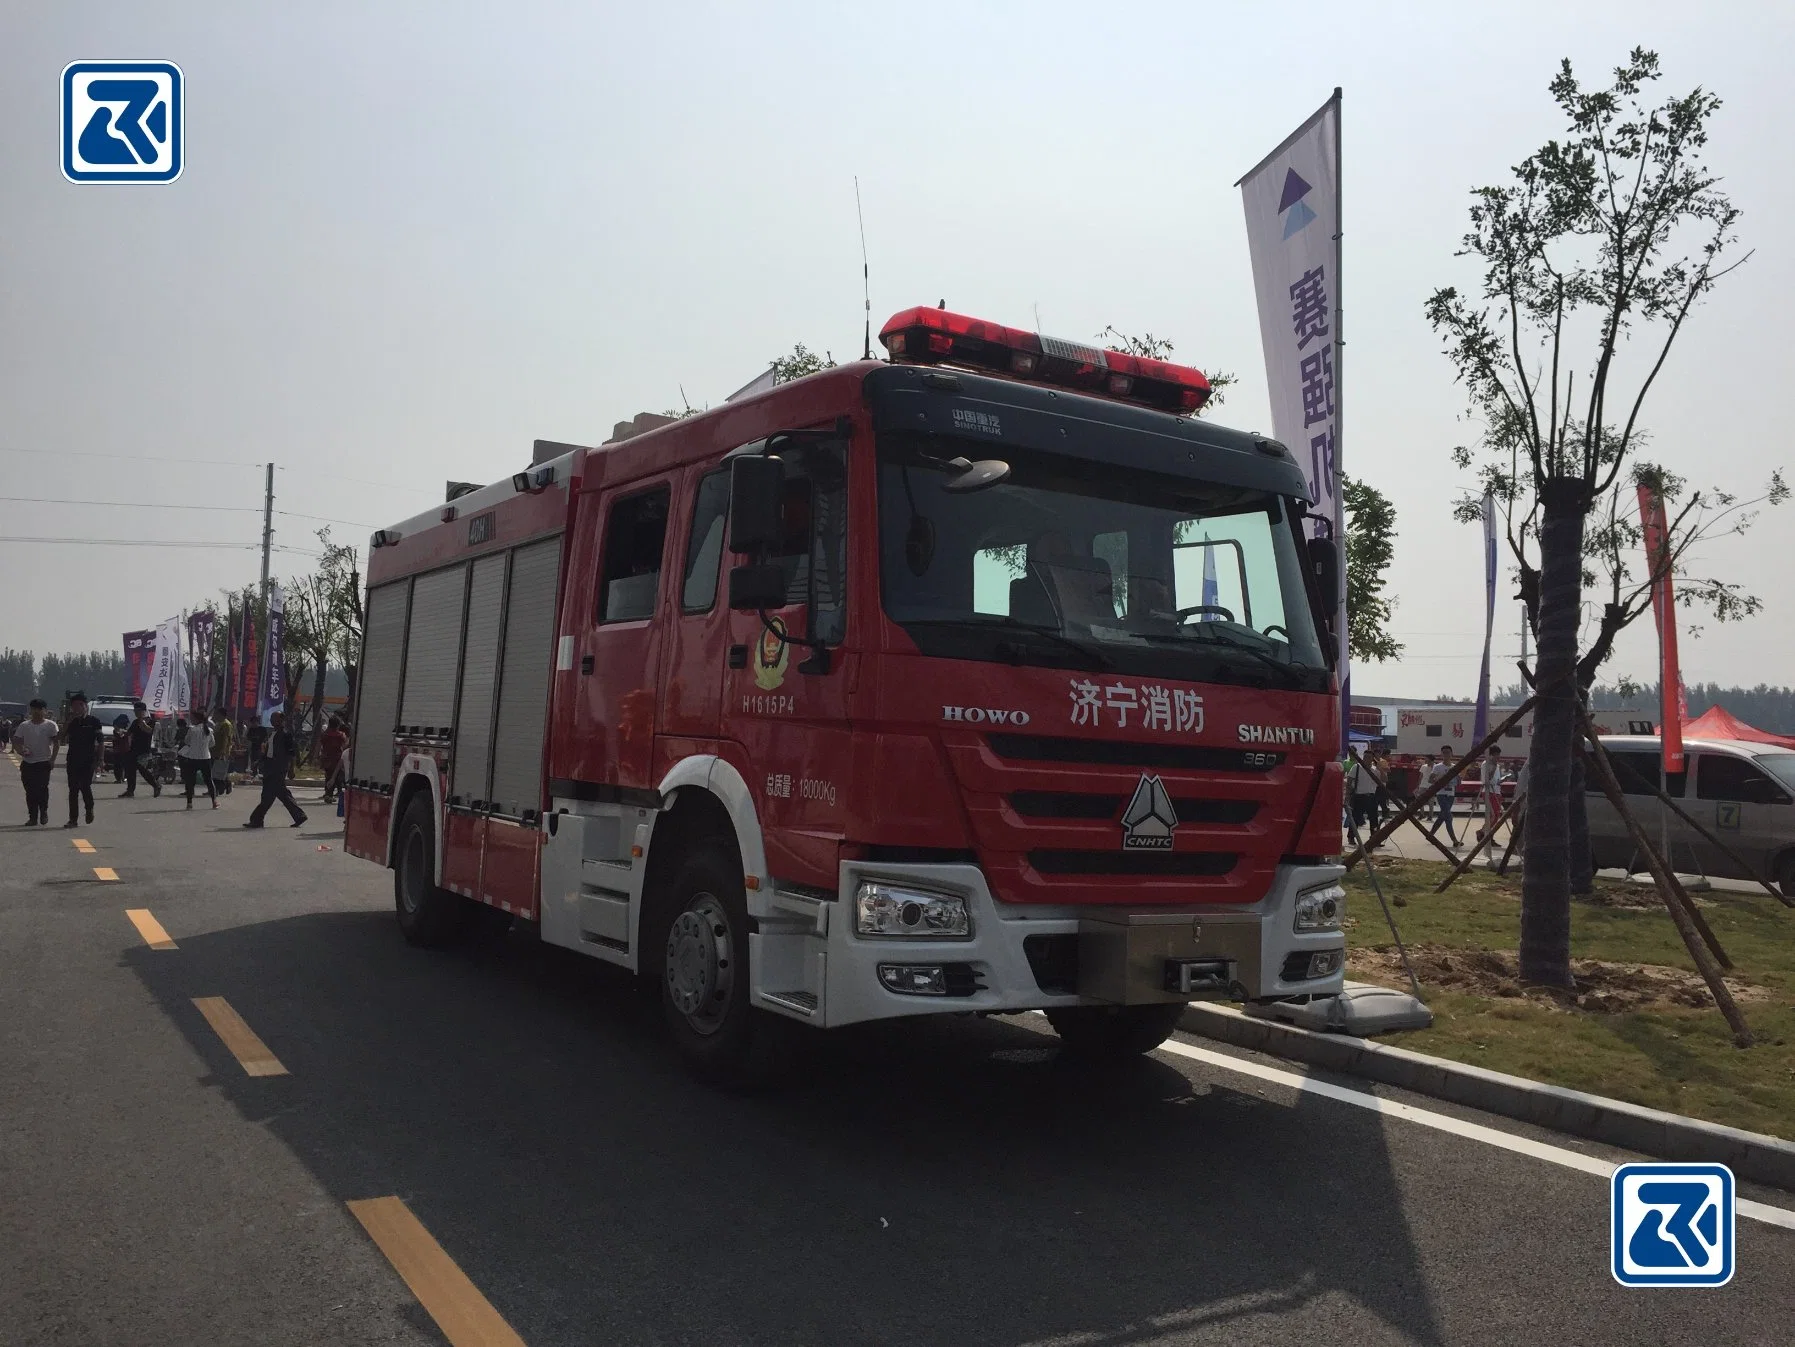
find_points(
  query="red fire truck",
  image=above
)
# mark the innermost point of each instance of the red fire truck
(980, 680)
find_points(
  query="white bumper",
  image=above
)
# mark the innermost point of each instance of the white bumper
(808, 962)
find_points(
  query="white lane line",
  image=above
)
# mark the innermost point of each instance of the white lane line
(1441, 1122)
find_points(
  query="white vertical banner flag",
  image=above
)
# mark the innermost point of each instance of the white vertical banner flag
(1292, 202)
(162, 689)
(272, 695)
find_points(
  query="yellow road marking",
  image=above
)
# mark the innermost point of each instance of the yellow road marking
(150, 929)
(105, 872)
(466, 1318)
(85, 847)
(251, 1053)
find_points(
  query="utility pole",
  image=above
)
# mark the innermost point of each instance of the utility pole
(267, 527)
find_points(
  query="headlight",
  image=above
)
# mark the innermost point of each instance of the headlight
(1321, 909)
(888, 909)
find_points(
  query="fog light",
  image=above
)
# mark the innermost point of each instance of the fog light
(1321, 909)
(1326, 962)
(888, 910)
(914, 979)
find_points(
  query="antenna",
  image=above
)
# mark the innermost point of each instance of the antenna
(866, 276)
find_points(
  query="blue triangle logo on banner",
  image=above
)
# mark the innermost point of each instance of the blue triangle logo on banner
(1299, 219)
(1295, 189)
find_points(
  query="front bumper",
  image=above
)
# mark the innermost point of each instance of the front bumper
(807, 962)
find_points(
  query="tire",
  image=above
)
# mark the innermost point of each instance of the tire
(697, 947)
(1112, 1033)
(429, 916)
(1785, 876)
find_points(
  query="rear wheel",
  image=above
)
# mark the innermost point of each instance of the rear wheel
(1785, 876)
(1095, 1033)
(700, 945)
(428, 916)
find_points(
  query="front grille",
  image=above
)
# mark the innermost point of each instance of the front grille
(1053, 959)
(1114, 753)
(1146, 863)
(1065, 804)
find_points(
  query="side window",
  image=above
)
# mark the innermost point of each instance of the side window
(813, 551)
(1436, 731)
(635, 536)
(704, 549)
(1722, 777)
(1638, 775)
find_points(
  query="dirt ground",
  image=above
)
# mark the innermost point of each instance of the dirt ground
(1602, 985)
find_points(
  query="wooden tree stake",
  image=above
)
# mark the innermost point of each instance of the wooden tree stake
(1670, 891)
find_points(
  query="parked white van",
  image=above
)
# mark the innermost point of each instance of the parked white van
(1743, 793)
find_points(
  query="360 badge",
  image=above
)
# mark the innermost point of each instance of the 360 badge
(121, 121)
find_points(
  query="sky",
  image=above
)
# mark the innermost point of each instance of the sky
(411, 239)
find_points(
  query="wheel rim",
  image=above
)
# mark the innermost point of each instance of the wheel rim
(701, 964)
(412, 871)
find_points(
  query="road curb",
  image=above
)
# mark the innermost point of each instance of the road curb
(1669, 1136)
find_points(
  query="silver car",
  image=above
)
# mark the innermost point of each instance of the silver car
(1742, 793)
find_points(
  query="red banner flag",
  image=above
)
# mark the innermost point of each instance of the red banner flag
(1664, 611)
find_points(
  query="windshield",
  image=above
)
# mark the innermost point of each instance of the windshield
(1070, 563)
(1779, 765)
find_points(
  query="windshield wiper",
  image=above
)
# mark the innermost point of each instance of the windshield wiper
(1217, 634)
(999, 621)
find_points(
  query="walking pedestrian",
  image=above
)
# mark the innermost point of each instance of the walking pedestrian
(34, 740)
(277, 763)
(84, 734)
(330, 756)
(224, 739)
(1364, 791)
(196, 758)
(1491, 780)
(1437, 772)
(142, 737)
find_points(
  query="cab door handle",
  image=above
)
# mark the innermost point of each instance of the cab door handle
(585, 664)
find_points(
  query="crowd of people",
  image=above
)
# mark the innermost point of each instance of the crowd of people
(1370, 801)
(200, 743)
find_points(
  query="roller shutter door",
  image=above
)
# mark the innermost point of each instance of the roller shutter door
(432, 651)
(524, 669)
(479, 677)
(377, 686)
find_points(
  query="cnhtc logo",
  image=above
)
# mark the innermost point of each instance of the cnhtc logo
(121, 121)
(1672, 1225)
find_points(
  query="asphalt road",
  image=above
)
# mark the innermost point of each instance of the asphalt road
(942, 1183)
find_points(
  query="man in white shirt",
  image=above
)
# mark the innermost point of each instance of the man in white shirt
(34, 740)
(196, 757)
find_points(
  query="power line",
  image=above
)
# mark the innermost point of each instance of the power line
(131, 542)
(315, 518)
(131, 504)
(134, 458)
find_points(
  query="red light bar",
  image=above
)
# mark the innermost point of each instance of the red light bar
(925, 336)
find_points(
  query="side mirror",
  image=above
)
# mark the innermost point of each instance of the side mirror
(1324, 565)
(754, 588)
(756, 488)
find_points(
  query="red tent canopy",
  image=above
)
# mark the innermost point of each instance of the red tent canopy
(1719, 723)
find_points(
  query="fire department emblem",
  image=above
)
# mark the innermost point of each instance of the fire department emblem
(1148, 821)
(770, 655)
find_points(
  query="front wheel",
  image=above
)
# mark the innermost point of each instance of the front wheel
(1785, 877)
(702, 953)
(1094, 1033)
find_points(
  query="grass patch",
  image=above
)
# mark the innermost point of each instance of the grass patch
(1656, 1052)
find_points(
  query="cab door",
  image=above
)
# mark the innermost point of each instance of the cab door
(616, 660)
(698, 635)
(787, 706)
